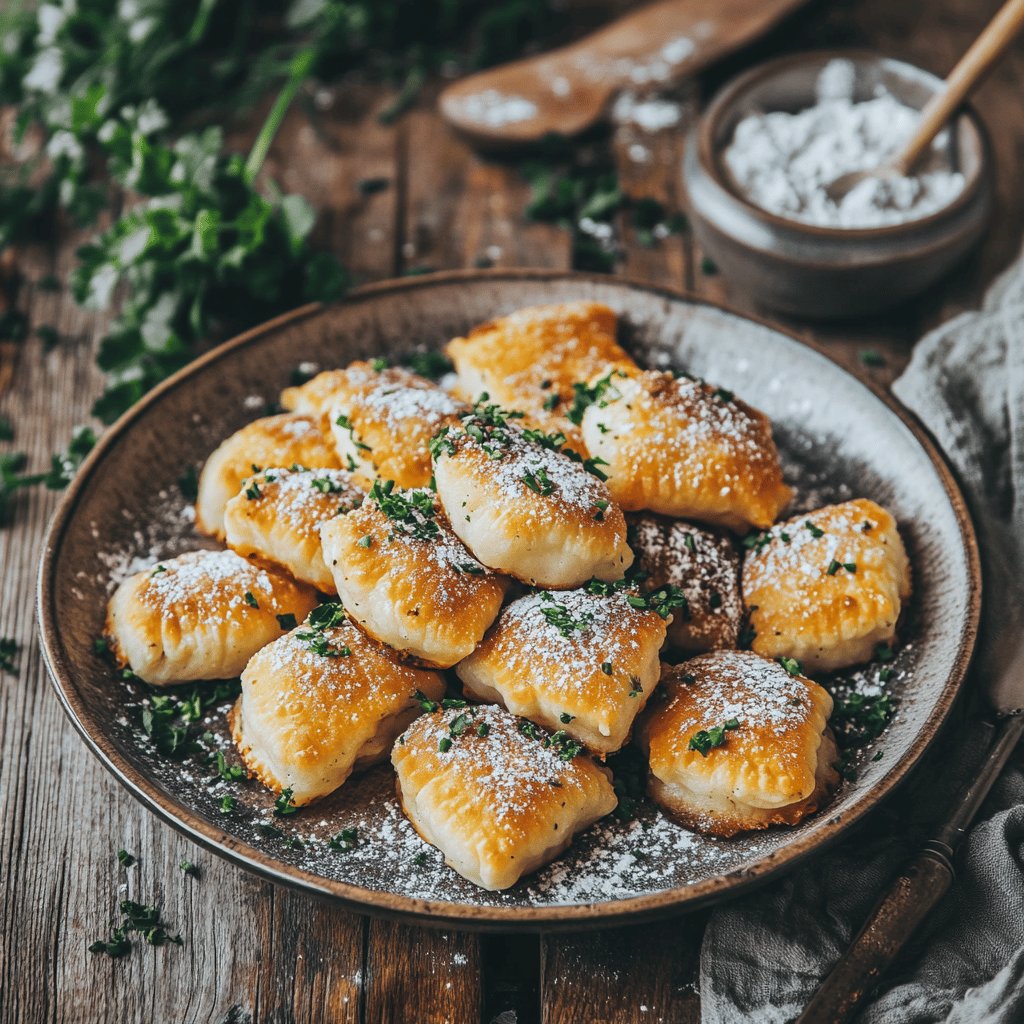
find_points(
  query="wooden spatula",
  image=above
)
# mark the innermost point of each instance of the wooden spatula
(567, 91)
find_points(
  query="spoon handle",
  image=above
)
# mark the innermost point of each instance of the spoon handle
(969, 72)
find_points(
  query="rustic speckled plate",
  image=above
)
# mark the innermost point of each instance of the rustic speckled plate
(839, 439)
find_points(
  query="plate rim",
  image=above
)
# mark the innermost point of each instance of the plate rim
(446, 913)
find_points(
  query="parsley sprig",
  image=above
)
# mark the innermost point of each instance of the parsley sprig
(705, 740)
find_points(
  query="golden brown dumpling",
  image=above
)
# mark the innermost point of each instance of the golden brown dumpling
(827, 587)
(684, 448)
(737, 743)
(383, 426)
(201, 615)
(315, 397)
(530, 360)
(283, 440)
(575, 660)
(524, 507)
(276, 517)
(322, 702)
(495, 794)
(700, 563)
(407, 579)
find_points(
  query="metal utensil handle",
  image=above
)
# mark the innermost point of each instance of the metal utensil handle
(893, 921)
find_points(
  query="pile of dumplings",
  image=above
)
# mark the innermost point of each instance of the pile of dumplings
(558, 528)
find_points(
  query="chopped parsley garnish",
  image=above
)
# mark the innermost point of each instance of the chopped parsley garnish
(287, 621)
(885, 674)
(606, 667)
(420, 860)
(483, 729)
(252, 492)
(159, 570)
(188, 868)
(564, 745)
(457, 726)
(635, 689)
(561, 618)
(585, 395)
(629, 778)
(227, 805)
(528, 729)
(866, 526)
(834, 567)
(425, 703)
(344, 840)
(365, 542)
(135, 917)
(284, 805)
(346, 424)
(325, 485)
(378, 365)
(471, 568)
(444, 745)
(706, 740)
(429, 364)
(815, 531)
(724, 394)
(413, 513)
(884, 652)
(859, 718)
(326, 615)
(8, 652)
(125, 859)
(169, 721)
(565, 718)
(602, 506)
(791, 665)
(538, 480)
(250, 600)
(228, 772)
(756, 540)
(100, 645)
(690, 542)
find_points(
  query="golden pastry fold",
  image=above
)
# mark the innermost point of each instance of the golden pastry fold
(827, 587)
(735, 742)
(571, 659)
(407, 579)
(321, 702)
(498, 796)
(201, 615)
(683, 448)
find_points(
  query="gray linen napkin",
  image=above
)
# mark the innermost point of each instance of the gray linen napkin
(764, 955)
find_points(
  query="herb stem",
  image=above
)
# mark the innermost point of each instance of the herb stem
(300, 68)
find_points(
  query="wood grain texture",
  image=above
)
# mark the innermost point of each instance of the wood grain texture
(638, 975)
(253, 953)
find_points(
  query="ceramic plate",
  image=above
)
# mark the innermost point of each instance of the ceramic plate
(839, 439)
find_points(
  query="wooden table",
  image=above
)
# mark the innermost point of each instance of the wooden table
(253, 952)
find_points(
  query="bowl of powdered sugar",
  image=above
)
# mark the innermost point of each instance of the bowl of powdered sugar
(758, 167)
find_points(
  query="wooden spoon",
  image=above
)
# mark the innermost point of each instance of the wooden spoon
(568, 90)
(963, 79)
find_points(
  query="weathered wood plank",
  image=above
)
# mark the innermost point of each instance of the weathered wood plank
(417, 974)
(637, 975)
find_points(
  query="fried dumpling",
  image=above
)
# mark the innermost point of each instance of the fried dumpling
(531, 360)
(383, 426)
(321, 702)
(577, 660)
(316, 395)
(495, 794)
(827, 587)
(283, 440)
(704, 566)
(523, 506)
(407, 579)
(276, 517)
(736, 743)
(201, 615)
(684, 448)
